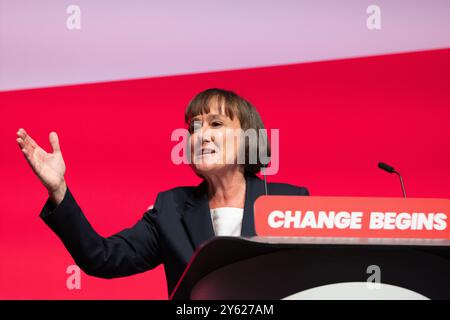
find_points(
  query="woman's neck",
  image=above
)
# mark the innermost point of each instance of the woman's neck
(226, 189)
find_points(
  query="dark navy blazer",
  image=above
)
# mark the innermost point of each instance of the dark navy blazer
(168, 233)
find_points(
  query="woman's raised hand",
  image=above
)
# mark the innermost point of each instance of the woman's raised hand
(48, 167)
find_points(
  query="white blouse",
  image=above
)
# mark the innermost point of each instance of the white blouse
(227, 221)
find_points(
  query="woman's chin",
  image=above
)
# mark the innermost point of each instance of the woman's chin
(207, 167)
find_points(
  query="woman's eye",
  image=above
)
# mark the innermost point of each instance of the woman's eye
(195, 126)
(216, 124)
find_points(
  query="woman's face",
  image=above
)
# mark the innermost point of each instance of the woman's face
(214, 141)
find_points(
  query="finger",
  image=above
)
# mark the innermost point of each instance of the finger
(54, 141)
(23, 142)
(26, 138)
(22, 146)
(21, 133)
(27, 156)
(26, 148)
(20, 142)
(31, 161)
(25, 153)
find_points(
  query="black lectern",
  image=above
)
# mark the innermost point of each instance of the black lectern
(317, 268)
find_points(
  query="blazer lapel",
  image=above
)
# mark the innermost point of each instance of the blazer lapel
(197, 217)
(254, 189)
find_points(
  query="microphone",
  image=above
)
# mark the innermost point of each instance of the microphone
(391, 169)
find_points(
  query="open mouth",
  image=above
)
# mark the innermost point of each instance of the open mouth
(208, 151)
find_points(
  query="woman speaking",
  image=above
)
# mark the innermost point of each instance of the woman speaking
(181, 218)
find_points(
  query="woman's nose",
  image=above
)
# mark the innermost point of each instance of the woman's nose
(206, 134)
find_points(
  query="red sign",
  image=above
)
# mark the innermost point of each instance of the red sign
(298, 216)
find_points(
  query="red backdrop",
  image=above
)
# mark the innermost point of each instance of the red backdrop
(337, 119)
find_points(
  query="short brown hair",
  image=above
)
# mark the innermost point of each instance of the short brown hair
(235, 106)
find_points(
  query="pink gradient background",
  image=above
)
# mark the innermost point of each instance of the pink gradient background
(337, 119)
(122, 39)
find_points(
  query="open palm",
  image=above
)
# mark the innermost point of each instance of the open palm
(49, 167)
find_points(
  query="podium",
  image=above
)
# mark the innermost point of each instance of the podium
(328, 248)
(272, 268)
